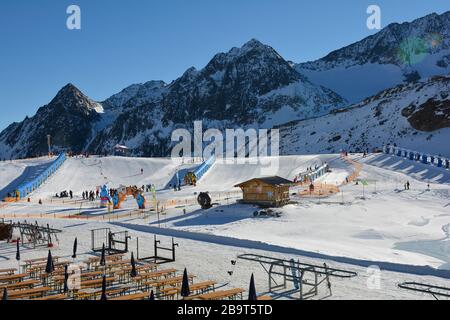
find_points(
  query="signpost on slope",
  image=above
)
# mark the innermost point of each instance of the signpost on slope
(364, 184)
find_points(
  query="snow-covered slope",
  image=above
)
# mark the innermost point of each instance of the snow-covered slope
(414, 115)
(81, 174)
(398, 53)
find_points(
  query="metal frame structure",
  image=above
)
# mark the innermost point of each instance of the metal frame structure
(304, 276)
(36, 234)
(156, 246)
(435, 291)
(115, 242)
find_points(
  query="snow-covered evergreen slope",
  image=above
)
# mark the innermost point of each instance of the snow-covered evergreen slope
(414, 115)
(397, 54)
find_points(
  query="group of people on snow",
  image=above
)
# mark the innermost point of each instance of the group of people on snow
(90, 195)
(65, 194)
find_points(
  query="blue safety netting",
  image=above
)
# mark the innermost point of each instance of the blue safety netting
(28, 187)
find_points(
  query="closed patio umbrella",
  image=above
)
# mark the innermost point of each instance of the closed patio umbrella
(75, 244)
(18, 250)
(5, 294)
(252, 290)
(133, 272)
(49, 268)
(103, 297)
(185, 291)
(152, 296)
(103, 258)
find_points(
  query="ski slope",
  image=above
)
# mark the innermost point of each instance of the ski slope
(80, 174)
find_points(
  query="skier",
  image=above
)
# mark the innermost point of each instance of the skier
(142, 171)
(407, 185)
(71, 194)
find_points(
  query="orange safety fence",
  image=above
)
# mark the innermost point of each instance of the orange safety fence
(324, 189)
(320, 190)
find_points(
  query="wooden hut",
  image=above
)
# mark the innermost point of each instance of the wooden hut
(267, 192)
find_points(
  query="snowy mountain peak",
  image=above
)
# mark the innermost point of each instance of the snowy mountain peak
(397, 54)
(71, 98)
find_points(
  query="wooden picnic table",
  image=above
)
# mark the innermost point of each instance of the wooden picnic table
(222, 294)
(30, 263)
(8, 272)
(20, 285)
(173, 281)
(110, 265)
(134, 296)
(37, 260)
(143, 268)
(196, 289)
(12, 278)
(96, 259)
(27, 294)
(89, 295)
(39, 270)
(96, 282)
(264, 298)
(89, 274)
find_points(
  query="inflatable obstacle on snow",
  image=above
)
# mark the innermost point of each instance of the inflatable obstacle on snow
(121, 194)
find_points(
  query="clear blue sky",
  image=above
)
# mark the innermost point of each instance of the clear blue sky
(133, 41)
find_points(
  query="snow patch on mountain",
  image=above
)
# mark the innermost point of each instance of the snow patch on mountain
(376, 121)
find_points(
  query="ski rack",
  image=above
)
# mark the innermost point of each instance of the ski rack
(435, 291)
(307, 274)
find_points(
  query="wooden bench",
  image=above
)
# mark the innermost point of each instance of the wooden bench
(134, 296)
(143, 270)
(61, 296)
(173, 281)
(95, 261)
(196, 289)
(83, 275)
(27, 294)
(96, 282)
(264, 298)
(8, 272)
(36, 262)
(231, 294)
(21, 284)
(12, 278)
(91, 295)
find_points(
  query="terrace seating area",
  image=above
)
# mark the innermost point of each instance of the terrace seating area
(84, 281)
